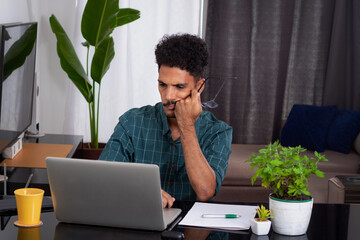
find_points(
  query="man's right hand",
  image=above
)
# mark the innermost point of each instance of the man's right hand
(167, 199)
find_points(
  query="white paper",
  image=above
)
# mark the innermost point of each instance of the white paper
(193, 217)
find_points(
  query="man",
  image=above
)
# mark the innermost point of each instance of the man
(190, 146)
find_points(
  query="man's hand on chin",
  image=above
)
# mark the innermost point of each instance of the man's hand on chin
(167, 199)
(188, 110)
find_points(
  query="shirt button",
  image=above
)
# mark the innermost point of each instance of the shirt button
(169, 183)
(172, 165)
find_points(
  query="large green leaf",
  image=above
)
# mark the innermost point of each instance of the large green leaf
(69, 61)
(19, 50)
(103, 56)
(126, 15)
(99, 20)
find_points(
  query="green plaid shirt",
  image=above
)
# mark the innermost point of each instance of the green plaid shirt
(143, 136)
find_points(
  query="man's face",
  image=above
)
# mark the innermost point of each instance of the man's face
(174, 84)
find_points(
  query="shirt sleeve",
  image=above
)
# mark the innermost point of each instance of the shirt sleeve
(217, 149)
(120, 147)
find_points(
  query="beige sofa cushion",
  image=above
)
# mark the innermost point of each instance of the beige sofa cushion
(239, 174)
(338, 162)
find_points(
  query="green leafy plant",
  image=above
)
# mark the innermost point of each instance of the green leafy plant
(285, 170)
(263, 213)
(99, 19)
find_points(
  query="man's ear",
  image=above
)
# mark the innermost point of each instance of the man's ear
(200, 84)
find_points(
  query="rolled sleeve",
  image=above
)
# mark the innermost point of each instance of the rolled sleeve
(217, 151)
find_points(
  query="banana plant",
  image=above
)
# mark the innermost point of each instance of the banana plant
(99, 19)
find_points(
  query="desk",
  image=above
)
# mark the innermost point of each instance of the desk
(17, 177)
(328, 221)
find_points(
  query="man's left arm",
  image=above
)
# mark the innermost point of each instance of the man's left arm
(202, 176)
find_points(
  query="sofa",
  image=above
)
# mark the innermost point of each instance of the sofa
(237, 185)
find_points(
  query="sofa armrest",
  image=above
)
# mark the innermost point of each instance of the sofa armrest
(357, 144)
(336, 191)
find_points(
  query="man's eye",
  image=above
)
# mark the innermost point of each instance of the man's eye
(162, 84)
(180, 86)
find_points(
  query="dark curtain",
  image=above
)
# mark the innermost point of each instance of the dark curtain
(283, 52)
(343, 71)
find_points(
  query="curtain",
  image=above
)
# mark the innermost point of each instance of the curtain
(343, 72)
(283, 53)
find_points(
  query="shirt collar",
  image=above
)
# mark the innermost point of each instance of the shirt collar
(160, 109)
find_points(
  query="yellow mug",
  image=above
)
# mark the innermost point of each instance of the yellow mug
(29, 201)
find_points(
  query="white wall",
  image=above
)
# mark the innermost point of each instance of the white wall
(51, 77)
(132, 78)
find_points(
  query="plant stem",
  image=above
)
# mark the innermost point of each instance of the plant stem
(91, 120)
(97, 115)
(93, 131)
(94, 141)
(87, 60)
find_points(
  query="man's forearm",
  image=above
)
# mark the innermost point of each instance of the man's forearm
(201, 176)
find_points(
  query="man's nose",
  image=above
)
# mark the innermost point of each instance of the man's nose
(170, 94)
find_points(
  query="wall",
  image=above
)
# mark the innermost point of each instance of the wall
(131, 80)
(50, 76)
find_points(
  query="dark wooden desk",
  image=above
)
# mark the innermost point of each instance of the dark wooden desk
(18, 176)
(328, 221)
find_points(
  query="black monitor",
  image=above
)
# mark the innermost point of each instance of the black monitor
(17, 73)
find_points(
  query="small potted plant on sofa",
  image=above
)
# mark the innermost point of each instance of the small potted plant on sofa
(286, 171)
(261, 225)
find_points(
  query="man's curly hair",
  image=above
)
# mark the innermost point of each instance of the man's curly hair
(185, 51)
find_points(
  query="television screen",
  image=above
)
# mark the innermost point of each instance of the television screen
(17, 70)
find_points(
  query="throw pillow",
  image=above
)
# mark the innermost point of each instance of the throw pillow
(307, 126)
(343, 131)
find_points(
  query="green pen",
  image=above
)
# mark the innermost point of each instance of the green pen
(220, 216)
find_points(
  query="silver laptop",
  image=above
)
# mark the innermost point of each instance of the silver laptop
(114, 194)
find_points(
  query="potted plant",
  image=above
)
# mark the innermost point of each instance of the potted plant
(99, 19)
(261, 224)
(286, 171)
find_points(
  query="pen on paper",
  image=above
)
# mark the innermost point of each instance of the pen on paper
(220, 216)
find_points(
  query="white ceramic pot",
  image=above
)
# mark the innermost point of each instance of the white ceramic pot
(260, 228)
(290, 217)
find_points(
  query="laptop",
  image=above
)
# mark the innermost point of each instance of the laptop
(112, 194)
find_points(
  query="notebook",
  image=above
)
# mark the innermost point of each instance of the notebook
(113, 194)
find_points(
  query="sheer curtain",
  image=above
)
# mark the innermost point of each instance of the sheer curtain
(284, 53)
(132, 78)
